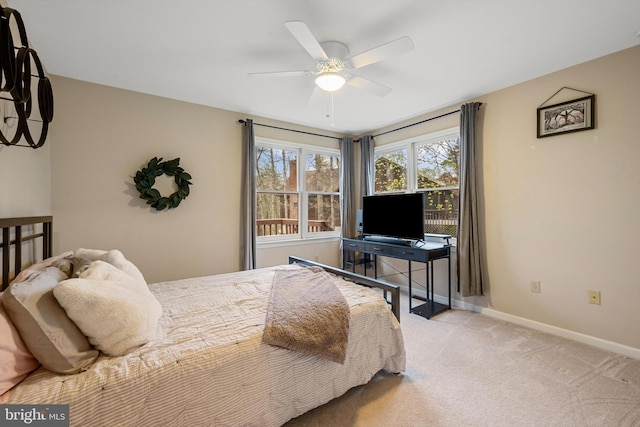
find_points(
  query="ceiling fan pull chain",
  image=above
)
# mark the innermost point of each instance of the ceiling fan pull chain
(332, 109)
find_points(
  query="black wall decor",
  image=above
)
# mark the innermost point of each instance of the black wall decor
(568, 116)
(145, 179)
(16, 62)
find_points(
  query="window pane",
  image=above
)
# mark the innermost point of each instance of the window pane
(391, 171)
(277, 213)
(438, 163)
(441, 212)
(276, 169)
(322, 173)
(323, 212)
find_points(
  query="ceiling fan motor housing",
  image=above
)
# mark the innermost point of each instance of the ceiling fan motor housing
(336, 53)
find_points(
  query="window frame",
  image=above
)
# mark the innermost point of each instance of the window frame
(303, 194)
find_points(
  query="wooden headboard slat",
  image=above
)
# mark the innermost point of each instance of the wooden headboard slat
(6, 256)
(7, 244)
(17, 243)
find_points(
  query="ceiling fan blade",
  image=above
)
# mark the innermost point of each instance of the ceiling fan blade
(282, 73)
(301, 32)
(368, 85)
(384, 51)
(313, 96)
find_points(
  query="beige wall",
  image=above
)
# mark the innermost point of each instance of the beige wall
(102, 136)
(25, 181)
(564, 209)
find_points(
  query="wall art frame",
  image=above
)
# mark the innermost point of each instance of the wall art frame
(570, 116)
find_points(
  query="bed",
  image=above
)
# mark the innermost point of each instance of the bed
(207, 362)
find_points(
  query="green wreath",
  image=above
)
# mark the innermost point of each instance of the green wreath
(146, 178)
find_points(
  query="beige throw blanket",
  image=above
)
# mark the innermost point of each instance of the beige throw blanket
(308, 313)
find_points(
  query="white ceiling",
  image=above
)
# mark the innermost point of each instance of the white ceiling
(201, 51)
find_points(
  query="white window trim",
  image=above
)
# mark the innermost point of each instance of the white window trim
(420, 138)
(304, 235)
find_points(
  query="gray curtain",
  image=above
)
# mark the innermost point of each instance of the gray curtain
(367, 167)
(249, 196)
(347, 191)
(471, 264)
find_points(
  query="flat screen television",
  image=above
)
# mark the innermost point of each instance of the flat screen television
(399, 216)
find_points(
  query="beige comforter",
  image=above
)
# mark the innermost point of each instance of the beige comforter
(209, 366)
(308, 313)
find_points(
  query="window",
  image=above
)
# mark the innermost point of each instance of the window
(437, 167)
(428, 164)
(298, 191)
(391, 170)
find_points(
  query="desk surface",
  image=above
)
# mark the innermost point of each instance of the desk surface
(420, 244)
(429, 245)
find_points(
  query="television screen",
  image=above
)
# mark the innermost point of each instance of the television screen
(394, 215)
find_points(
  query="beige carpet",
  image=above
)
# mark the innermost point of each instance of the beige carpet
(467, 369)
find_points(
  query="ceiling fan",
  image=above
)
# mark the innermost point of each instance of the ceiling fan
(333, 65)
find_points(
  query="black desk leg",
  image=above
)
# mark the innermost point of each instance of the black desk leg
(354, 262)
(364, 265)
(449, 277)
(410, 291)
(429, 285)
(432, 282)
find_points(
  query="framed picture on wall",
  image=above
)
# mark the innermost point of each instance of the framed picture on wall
(570, 116)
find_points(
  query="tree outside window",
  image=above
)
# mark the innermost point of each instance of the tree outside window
(296, 204)
(322, 180)
(391, 171)
(277, 191)
(437, 170)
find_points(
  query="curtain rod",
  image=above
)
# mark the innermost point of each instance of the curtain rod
(357, 140)
(292, 130)
(417, 123)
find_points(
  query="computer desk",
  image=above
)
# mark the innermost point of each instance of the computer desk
(422, 251)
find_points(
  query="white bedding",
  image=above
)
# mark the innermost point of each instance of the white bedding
(208, 365)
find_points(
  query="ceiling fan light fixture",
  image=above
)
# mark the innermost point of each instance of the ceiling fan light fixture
(330, 81)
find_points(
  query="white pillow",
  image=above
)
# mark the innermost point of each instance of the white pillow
(39, 266)
(116, 312)
(113, 257)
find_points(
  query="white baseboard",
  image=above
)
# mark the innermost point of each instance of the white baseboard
(543, 327)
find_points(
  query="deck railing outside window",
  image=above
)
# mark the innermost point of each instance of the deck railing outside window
(283, 226)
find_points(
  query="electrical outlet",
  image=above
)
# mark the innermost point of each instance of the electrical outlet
(594, 297)
(535, 286)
